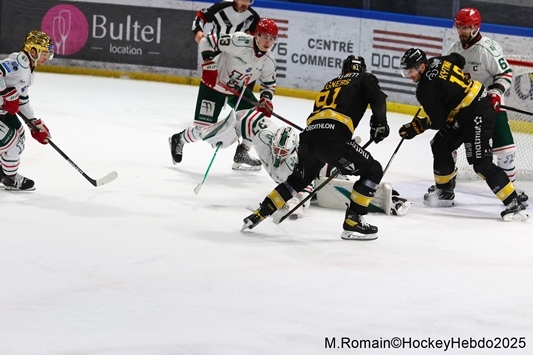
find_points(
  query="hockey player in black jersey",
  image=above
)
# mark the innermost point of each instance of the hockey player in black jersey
(460, 109)
(327, 138)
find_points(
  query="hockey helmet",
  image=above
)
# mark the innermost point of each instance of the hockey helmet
(468, 16)
(267, 26)
(41, 42)
(353, 64)
(412, 58)
(284, 142)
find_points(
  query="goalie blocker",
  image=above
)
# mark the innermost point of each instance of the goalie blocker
(336, 195)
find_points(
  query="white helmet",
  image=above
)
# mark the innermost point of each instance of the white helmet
(284, 142)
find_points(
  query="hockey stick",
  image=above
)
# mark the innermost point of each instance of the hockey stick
(331, 177)
(199, 186)
(398, 147)
(516, 110)
(102, 181)
(255, 103)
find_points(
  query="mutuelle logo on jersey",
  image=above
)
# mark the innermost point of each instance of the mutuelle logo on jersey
(68, 28)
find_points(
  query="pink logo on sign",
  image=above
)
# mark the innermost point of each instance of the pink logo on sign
(68, 28)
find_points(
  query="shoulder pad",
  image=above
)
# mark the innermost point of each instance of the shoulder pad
(491, 46)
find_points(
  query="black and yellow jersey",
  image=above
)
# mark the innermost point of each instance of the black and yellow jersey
(447, 94)
(341, 105)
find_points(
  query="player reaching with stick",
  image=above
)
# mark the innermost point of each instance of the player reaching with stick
(327, 139)
(462, 112)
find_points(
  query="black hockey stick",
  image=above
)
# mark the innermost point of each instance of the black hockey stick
(255, 103)
(324, 183)
(516, 110)
(104, 180)
(399, 145)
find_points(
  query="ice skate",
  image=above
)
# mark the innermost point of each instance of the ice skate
(522, 197)
(356, 228)
(18, 183)
(514, 211)
(176, 147)
(243, 161)
(253, 220)
(439, 197)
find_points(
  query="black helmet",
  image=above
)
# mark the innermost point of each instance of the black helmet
(353, 64)
(411, 59)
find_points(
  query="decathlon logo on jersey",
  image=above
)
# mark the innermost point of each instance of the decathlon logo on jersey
(207, 108)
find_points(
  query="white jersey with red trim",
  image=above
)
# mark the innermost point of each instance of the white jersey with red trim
(17, 73)
(485, 63)
(237, 60)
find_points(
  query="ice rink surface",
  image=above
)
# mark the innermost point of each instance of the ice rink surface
(143, 266)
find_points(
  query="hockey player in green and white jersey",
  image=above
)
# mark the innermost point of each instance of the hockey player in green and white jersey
(486, 63)
(231, 61)
(16, 75)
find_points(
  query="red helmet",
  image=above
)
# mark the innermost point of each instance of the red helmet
(468, 17)
(267, 26)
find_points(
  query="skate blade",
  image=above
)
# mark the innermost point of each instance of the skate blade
(16, 189)
(435, 203)
(519, 216)
(347, 235)
(243, 167)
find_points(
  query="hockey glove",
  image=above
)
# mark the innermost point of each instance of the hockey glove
(379, 131)
(496, 99)
(415, 127)
(11, 101)
(209, 73)
(42, 133)
(265, 106)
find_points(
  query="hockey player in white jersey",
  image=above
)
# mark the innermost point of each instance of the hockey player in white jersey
(16, 75)
(231, 61)
(486, 63)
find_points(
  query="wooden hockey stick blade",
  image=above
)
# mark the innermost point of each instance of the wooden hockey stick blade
(106, 179)
(516, 110)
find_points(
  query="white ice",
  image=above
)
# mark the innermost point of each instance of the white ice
(143, 266)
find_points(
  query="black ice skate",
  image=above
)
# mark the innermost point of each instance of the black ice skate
(522, 197)
(176, 147)
(356, 228)
(253, 220)
(514, 211)
(243, 161)
(439, 197)
(18, 183)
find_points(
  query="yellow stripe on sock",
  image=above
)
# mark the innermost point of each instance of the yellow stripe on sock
(505, 192)
(444, 179)
(360, 199)
(276, 199)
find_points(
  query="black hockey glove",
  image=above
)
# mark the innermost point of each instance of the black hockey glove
(379, 131)
(415, 127)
